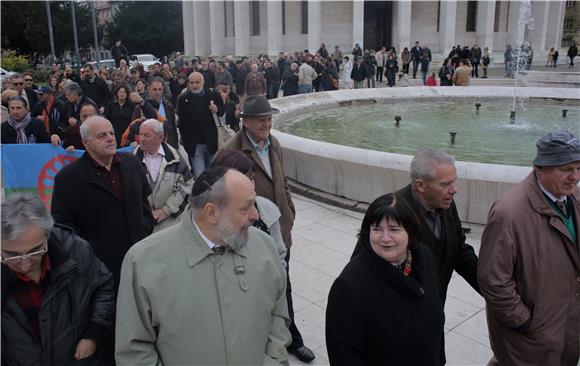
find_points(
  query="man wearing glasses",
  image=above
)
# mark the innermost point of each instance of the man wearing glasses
(207, 291)
(57, 297)
(19, 84)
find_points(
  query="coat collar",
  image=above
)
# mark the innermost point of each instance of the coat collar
(91, 176)
(194, 247)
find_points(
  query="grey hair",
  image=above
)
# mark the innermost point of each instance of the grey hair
(84, 129)
(426, 161)
(155, 124)
(216, 194)
(15, 76)
(73, 88)
(23, 209)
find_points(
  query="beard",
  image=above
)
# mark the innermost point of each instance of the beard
(233, 238)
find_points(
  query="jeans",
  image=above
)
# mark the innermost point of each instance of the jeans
(201, 159)
(273, 90)
(303, 89)
(359, 84)
(380, 70)
(371, 81)
(415, 67)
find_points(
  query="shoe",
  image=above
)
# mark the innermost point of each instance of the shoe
(303, 353)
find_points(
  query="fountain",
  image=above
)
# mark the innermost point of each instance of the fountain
(491, 157)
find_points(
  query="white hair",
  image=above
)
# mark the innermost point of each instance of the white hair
(155, 124)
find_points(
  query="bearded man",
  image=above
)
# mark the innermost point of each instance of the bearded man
(195, 292)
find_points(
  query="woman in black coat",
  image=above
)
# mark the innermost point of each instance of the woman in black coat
(385, 308)
(290, 81)
(120, 111)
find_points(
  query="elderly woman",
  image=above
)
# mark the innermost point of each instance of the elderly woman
(268, 211)
(53, 288)
(385, 308)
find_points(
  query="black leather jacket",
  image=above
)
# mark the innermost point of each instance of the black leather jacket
(78, 303)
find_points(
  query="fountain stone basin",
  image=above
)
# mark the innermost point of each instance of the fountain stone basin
(362, 175)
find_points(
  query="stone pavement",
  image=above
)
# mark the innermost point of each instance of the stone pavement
(323, 240)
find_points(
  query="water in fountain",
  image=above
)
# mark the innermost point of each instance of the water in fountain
(525, 21)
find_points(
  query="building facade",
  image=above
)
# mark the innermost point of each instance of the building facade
(270, 27)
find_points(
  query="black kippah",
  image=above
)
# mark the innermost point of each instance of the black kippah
(207, 179)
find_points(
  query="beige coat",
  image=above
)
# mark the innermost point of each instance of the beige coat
(529, 268)
(276, 188)
(462, 76)
(180, 305)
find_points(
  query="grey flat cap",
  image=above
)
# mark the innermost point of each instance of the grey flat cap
(557, 148)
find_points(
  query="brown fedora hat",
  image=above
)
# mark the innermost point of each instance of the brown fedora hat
(256, 106)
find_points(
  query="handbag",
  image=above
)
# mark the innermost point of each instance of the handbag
(223, 130)
(334, 83)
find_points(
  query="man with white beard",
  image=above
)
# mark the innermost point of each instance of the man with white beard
(196, 293)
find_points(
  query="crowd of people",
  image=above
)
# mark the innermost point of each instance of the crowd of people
(178, 252)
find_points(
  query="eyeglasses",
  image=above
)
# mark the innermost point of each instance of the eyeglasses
(17, 83)
(20, 258)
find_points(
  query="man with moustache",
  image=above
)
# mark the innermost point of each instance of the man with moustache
(225, 304)
(529, 268)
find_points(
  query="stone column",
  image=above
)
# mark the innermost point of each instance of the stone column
(201, 42)
(404, 25)
(217, 27)
(485, 20)
(314, 25)
(242, 27)
(447, 25)
(358, 23)
(274, 9)
(188, 43)
(544, 27)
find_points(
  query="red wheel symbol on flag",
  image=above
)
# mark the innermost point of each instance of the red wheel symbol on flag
(45, 183)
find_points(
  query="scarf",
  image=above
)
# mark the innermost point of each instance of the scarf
(20, 126)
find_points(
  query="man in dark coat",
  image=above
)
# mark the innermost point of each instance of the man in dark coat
(94, 87)
(119, 51)
(103, 196)
(416, 57)
(433, 176)
(53, 288)
(195, 109)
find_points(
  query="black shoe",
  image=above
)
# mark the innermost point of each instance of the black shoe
(303, 353)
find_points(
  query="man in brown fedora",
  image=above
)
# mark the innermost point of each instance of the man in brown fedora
(529, 262)
(254, 139)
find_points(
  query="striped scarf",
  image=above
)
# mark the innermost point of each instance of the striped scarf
(20, 126)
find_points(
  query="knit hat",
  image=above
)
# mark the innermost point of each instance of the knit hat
(557, 148)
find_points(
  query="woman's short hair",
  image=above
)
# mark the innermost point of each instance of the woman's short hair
(119, 87)
(20, 210)
(390, 207)
(236, 160)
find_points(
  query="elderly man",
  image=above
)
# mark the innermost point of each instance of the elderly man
(54, 289)
(264, 149)
(196, 109)
(74, 96)
(158, 107)
(226, 303)
(168, 174)
(255, 83)
(430, 194)
(529, 268)
(20, 85)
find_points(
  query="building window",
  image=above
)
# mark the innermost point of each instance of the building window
(283, 17)
(255, 16)
(438, 14)
(497, 16)
(507, 17)
(471, 16)
(304, 17)
(225, 19)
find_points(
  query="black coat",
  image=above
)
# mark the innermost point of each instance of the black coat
(196, 123)
(290, 86)
(35, 131)
(119, 116)
(56, 115)
(78, 302)
(377, 316)
(82, 200)
(98, 90)
(358, 73)
(454, 253)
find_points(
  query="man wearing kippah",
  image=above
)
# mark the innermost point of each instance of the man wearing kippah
(529, 262)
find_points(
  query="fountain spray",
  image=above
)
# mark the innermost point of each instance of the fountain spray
(525, 20)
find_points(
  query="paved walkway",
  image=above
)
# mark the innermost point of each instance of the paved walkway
(323, 240)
